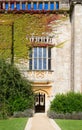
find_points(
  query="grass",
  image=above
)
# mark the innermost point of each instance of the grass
(69, 124)
(13, 124)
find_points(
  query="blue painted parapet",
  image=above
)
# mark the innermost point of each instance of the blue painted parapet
(31, 5)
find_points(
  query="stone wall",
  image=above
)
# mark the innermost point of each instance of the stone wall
(57, 80)
(77, 48)
(61, 57)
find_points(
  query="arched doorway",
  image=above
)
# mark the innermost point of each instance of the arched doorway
(39, 102)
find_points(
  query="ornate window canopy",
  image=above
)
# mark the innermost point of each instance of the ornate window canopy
(40, 41)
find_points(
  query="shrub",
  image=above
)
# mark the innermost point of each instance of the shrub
(74, 115)
(67, 103)
(15, 92)
(25, 113)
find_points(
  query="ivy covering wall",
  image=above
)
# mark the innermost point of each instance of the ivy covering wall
(24, 24)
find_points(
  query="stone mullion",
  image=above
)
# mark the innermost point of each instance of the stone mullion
(9, 5)
(37, 58)
(31, 5)
(49, 5)
(33, 59)
(3, 4)
(47, 58)
(26, 5)
(42, 58)
(20, 4)
(54, 5)
(47, 39)
(37, 5)
(43, 5)
(60, 4)
(15, 4)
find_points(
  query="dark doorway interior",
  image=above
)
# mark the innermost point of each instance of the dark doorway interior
(39, 102)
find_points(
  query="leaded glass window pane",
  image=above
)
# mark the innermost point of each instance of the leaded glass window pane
(49, 64)
(40, 52)
(30, 64)
(44, 64)
(40, 64)
(49, 52)
(44, 52)
(35, 52)
(35, 64)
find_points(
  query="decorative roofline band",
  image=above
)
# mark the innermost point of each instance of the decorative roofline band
(28, 4)
(29, 0)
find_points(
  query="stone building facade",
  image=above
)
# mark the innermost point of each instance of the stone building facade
(55, 67)
(58, 69)
(51, 75)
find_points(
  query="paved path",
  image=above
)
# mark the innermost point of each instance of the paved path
(41, 122)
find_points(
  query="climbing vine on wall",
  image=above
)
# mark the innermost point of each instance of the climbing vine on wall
(24, 24)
